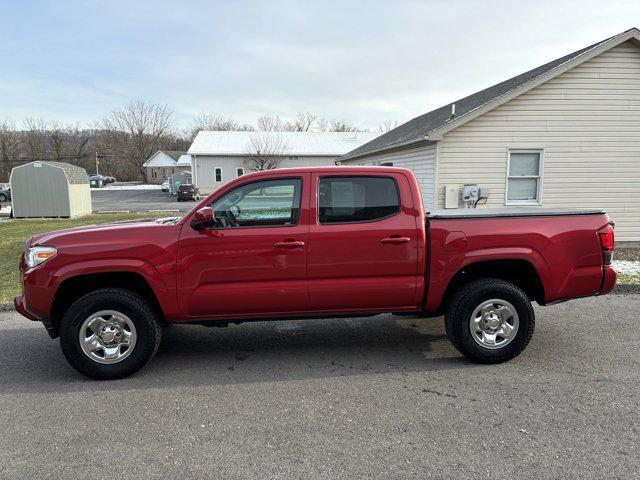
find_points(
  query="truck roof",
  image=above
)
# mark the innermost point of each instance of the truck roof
(337, 168)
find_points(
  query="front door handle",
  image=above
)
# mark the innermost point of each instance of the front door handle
(289, 244)
(395, 240)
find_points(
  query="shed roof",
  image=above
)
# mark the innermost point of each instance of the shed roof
(75, 174)
(294, 143)
(419, 128)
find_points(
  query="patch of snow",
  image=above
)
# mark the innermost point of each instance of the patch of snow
(627, 267)
(142, 186)
(6, 209)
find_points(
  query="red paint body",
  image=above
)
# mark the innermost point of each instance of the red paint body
(402, 263)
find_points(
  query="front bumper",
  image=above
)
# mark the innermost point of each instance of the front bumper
(21, 308)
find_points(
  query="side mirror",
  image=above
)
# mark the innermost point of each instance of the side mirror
(203, 218)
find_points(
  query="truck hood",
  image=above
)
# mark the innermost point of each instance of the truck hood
(109, 229)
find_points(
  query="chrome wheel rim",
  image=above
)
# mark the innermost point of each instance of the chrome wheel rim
(494, 324)
(107, 336)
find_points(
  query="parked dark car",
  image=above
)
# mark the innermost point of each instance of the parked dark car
(5, 195)
(188, 192)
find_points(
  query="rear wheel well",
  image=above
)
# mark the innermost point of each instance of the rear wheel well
(519, 272)
(75, 287)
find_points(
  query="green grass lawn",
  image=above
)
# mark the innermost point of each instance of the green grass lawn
(13, 233)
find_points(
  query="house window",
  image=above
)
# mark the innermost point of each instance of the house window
(524, 177)
(218, 174)
(239, 172)
(153, 173)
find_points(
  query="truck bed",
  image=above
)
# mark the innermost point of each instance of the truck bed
(508, 212)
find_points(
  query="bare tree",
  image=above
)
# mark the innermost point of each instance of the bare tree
(9, 148)
(387, 126)
(36, 138)
(57, 138)
(265, 151)
(303, 123)
(270, 123)
(215, 122)
(322, 125)
(78, 140)
(342, 126)
(133, 133)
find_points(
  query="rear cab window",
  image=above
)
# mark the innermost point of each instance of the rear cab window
(356, 199)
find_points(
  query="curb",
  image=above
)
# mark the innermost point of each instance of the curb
(106, 212)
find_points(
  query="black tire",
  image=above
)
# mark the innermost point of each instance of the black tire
(3, 197)
(472, 295)
(147, 326)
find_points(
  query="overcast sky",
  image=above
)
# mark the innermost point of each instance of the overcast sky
(365, 62)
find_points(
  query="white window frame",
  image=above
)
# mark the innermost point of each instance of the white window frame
(215, 175)
(538, 200)
(241, 169)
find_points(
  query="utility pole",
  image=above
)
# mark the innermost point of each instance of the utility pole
(97, 163)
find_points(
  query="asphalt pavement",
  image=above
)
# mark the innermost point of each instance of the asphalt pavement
(382, 397)
(139, 200)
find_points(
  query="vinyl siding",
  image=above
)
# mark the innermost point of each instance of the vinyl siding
(206, 165)
(587, 120)
(421, 160)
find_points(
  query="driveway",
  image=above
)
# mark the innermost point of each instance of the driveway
(382, 397)
(135, 200)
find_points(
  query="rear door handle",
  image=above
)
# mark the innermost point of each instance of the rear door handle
(395, 240)
(289, 244)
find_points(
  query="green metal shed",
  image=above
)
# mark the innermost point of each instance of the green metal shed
(50, 189)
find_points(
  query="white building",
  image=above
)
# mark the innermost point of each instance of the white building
(162, 164)
(217, 157)
(565, 135)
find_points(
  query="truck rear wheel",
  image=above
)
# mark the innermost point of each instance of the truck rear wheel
(490, 321)
(109, 333)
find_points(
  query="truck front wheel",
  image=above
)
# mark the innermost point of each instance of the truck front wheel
(490, 321)
(109, 333)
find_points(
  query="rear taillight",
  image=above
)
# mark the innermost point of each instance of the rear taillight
(607, 242)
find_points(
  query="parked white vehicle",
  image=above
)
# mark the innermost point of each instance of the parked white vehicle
(165, 186)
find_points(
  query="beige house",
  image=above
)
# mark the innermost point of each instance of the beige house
(218, 157)
(563, 135)
(164, 163)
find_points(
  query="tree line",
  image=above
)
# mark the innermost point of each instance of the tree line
(122, 141)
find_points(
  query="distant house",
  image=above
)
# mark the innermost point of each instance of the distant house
(218, 157)
(565, 135)
(164, 163)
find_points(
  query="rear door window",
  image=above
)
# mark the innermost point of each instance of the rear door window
(357, 199)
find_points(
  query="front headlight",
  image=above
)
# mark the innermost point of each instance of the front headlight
(37, 255)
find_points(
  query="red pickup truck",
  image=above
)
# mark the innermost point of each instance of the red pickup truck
(310, 242)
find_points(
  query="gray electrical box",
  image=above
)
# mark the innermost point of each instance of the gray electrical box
(470, 195)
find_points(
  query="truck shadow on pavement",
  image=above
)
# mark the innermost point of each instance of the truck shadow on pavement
(251, 352)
